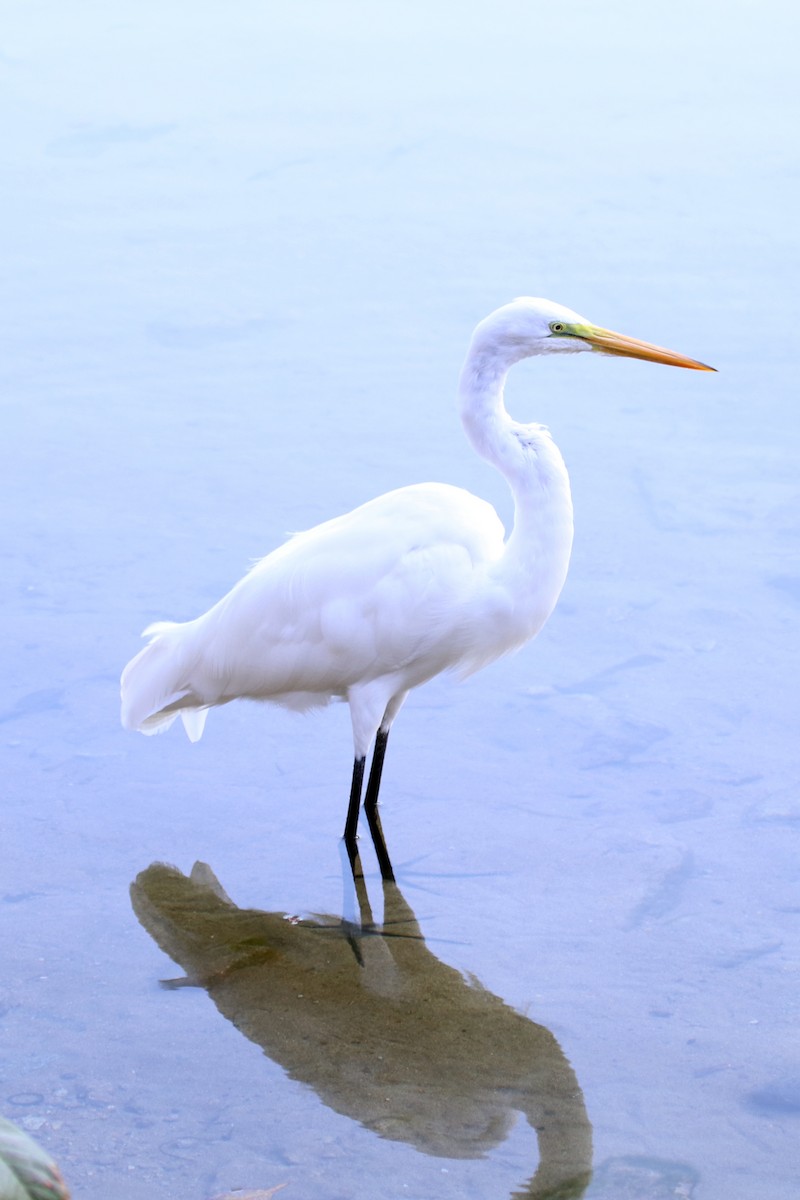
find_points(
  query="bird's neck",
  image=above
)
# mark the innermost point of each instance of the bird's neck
(531, 463)
(483, 413)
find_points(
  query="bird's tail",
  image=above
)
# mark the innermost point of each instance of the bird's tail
(155, 684)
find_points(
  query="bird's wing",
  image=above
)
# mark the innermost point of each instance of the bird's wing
(350, 599)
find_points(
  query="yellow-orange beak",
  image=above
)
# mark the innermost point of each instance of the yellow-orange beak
(608, 342)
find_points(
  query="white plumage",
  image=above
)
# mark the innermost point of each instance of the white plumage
(419, 581)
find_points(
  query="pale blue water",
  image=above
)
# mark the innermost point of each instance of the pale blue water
(243, 250)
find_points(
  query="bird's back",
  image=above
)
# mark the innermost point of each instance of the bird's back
(382, 588)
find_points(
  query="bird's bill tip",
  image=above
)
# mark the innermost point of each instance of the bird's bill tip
(607, 342)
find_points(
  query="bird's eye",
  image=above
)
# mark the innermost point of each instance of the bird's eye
(557, 327)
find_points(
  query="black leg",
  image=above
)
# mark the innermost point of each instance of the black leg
(381, 853)
(374, 781)
(371, 805)
(351, 824)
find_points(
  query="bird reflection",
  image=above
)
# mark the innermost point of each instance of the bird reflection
(367, 1016)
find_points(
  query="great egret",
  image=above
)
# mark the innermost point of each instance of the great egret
(419, 581)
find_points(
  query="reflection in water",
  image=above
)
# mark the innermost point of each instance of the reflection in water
(382, 1030)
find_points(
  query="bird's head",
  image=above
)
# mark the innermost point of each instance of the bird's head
(531, 326)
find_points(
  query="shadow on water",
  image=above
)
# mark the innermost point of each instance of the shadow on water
(382, 1030)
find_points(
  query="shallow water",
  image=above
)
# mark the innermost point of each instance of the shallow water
(243, 253)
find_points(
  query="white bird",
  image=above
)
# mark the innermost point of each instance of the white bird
(421, 580)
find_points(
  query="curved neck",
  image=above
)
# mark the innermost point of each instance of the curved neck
(525, 454)
(483, 414)
(530, 462)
